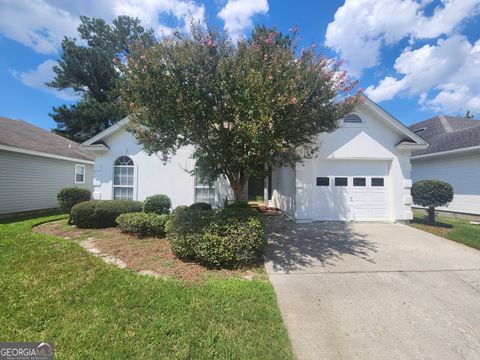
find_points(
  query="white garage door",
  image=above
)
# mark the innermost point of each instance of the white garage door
(352, 190)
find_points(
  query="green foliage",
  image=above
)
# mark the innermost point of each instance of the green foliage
(143, 224)
(101, 213)
(236, 205)
(158, 204)
(256, 102)
(225, 238)
(200, 206)
(432, 193)
(89, 70)
(99, 311)
(68, 197)
(179, 208)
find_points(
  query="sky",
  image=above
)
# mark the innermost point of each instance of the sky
(415, 58)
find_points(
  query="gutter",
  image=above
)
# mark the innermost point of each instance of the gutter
(43, 154)
(448, 152)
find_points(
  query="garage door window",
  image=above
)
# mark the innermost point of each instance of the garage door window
(323, 181)
(377, 182)
(359, 182)
(341, 181)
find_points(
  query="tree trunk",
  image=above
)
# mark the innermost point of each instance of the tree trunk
(238, 187)
(431, 216)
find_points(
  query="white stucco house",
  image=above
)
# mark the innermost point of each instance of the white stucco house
(361, 172)
(453, 156)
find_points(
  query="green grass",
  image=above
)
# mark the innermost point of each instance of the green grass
(454, 229)
(53, 290)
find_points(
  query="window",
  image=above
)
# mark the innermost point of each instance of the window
(359, 181)
(377, 182)
(352, 119)
(341, 181)
(204, 191)
(79, 174)
(323, 181)
(123, 178)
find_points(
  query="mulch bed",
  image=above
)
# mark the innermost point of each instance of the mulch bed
(150, 255)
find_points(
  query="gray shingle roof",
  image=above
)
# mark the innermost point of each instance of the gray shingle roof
(20, 134)
(445, 133)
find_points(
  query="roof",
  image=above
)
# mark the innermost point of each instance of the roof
(447, 133)
(20, 136)
(411, 140)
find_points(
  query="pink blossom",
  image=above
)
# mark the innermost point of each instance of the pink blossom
(293, 100)
(270, 77)
(210, 42)
(131, 105)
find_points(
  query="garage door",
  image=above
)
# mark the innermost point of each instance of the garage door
(352, 190)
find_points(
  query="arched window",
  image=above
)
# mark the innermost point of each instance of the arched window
(352, 119)
(123, 178)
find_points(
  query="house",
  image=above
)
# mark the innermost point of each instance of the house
(453, 156)
(361, 172)
(35, 164)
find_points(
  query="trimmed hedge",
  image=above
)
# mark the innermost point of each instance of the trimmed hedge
(225, 238)
(68, 197)
(143, 224)
(158, 204)
(200, 206)
(432, 193)
(101, 213)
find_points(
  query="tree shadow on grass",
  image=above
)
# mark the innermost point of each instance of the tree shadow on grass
(293, 246)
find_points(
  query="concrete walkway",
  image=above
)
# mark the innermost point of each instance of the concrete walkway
(374, 291)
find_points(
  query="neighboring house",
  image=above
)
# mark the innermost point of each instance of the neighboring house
(35, 164)
(453, 156)
(361, 172)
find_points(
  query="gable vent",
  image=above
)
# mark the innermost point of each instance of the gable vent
(352, 119)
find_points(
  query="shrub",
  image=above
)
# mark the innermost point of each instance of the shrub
(101, 213)
(432, 194)
(225, 238)
(68, 197)
(143, 224)
(200, 206)
(158, 204)
(179, 208)
(236, 205)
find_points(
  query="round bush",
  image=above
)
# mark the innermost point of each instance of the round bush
(225, 238)
(143, 224)
(68, 197)
(101, 213)
(432, 193)
(158, 204)
(200, 206)
(179, 208)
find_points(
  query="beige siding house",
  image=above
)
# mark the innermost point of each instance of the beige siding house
(35, 164)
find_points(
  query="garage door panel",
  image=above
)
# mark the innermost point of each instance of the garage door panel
(362, 202)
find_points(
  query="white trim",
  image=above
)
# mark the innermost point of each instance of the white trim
(47, 155)
(448, 152)
(107, 131)
(134, 189)
(393, 121)
(84, 174)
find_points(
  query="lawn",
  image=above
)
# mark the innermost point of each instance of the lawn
(51, 289)
(454, 229)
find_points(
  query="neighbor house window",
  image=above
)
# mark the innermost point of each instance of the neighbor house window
(123, 178)
(204, 191)
(79, 174)
(341, 181)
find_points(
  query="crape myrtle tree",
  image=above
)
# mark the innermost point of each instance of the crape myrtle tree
(86, 66)
(244, 108)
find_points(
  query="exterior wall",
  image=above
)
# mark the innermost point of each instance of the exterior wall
(358, 144)
(29, 182)
(150, 174)
(283, 193)
(461, 171)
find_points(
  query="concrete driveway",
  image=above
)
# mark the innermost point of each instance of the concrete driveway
(374, 291)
